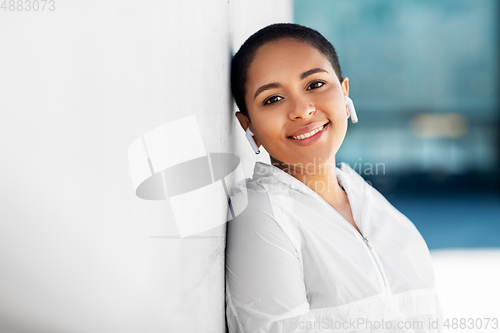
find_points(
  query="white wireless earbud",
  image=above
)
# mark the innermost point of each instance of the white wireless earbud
(350, 105)
(252, 141)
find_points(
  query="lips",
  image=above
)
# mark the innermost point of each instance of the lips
(307, 129)
(313, 139)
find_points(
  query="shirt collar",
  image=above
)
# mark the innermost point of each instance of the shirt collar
(266, 172)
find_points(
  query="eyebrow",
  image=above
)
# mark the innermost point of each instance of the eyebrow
(311, 72)
(266, 87)
(277, 85)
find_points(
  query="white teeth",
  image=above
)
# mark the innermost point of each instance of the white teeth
(306, 135)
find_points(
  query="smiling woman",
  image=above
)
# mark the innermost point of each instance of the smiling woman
(315, 250)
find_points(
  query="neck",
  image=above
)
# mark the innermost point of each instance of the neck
(319, 177)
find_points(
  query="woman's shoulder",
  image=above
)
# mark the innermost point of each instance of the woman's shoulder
(259, 208)
(249, 196)
(251, 206)
(260, 195)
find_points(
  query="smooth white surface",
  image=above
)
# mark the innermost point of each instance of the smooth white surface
(200, 210)
(174, 143)
(294, 264)
(140, 170)
(468, 285)
(78, 86)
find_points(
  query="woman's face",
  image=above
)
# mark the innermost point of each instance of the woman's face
(292, 89)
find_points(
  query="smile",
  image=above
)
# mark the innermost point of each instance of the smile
(309, 134)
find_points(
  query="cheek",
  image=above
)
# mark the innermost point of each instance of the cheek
(339, 122)
(333, 102)
(269, 129)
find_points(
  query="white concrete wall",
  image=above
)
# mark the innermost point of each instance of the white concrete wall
(79, 251)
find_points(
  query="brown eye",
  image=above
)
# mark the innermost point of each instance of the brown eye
(273, 99)
(315, 85)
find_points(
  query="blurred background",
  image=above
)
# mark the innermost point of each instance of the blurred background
(424, 76)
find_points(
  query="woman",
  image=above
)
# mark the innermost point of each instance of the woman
(317, 249)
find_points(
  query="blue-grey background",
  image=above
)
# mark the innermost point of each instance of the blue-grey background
(424, 78)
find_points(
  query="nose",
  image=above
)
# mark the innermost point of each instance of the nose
(301, 108)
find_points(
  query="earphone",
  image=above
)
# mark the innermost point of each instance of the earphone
(348, 102)
(350, 105)
(252, 141)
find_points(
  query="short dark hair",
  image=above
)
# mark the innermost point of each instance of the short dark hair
(274, 32)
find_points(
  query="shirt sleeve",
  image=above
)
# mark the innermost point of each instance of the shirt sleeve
(264, 276)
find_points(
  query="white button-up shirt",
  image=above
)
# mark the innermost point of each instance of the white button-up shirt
(294, 264)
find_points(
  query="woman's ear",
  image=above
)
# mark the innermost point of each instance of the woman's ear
(345, 90)
(345, 85)
(245, 123)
